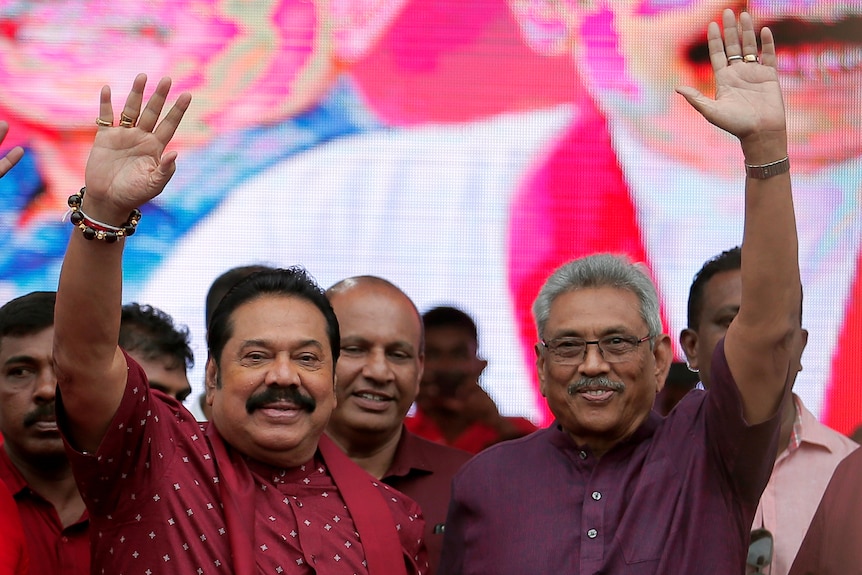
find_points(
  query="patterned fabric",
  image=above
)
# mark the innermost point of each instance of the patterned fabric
(53, 549)
(152, 489)
(544, 505)
(797, 483)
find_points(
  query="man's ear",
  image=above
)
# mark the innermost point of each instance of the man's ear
(663, 353)
(211, 379)
(688, 341)
(540, 368)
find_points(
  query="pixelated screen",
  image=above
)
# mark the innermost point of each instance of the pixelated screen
(461, 149)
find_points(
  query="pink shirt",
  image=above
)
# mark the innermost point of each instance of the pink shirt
(797, 483)
(153, 492)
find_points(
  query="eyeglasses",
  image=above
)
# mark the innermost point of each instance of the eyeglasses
(760, 550)
(613, 348)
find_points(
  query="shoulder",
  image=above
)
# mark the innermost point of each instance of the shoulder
(517, 453)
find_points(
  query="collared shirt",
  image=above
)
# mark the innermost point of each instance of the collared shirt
(476, 437)
(797, 483)
(13, 545)
(544, 505)
(833, 543)
(53, 549)
(153, 491)
(423, 471)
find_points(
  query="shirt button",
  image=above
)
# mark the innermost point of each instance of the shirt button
(597, 495)
(592, 533)
(64, 539)
(583, 454)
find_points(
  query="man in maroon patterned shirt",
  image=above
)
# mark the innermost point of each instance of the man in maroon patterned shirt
(612, 487)
(259, 489)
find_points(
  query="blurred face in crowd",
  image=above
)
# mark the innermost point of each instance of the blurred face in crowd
(27, 393)
(381, 360)
(451, 361)
(631, 54)
(598, 402)
(272, 389)
(165, 374)
(722, 295)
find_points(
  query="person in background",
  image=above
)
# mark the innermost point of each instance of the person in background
(33, 462)
(452, 408)
(680, 380)
(378, 375)
(258, 489)
(807, 452)
(160, 347)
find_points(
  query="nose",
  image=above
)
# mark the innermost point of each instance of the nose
(46, 386)
(376, 367)
(594, 362)
(282, 371)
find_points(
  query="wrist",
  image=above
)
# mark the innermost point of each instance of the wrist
(764, 147)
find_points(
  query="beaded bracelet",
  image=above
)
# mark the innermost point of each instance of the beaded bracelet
(96, 230)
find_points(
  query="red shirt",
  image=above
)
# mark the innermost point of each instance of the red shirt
(423, 471)
(52, 549)
(153, 491)
(13, 546)
(474, 439)
(678, 496)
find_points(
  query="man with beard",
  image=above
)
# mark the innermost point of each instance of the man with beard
(451, 407)
(33, 461)
(257, 490)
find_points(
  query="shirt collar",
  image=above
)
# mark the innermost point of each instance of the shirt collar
(410, 457)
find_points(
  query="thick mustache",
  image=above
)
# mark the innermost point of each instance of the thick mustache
(595, 382)
(272, 395)
(41, 413)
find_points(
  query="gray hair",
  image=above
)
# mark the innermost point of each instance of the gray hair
(600, 270)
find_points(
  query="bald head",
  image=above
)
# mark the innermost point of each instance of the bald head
(381, 360)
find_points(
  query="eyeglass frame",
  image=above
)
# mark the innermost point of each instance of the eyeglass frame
(597, 342)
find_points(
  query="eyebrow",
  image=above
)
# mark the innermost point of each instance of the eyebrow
(267, 343)
(21, 359)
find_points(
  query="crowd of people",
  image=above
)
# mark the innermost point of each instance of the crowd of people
(347, 431)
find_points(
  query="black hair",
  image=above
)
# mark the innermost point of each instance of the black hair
(293, 282)
(222, 284)
(447, 316)
(28, 314)
(728, 260)
(153, 334)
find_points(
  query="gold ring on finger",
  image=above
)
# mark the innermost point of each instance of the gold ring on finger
(103, 123)
(750, 58)
(127, 121)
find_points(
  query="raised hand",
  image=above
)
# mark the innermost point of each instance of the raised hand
(12, 156)
(128, 165)
(748, 101)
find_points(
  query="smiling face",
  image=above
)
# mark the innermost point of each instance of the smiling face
(272, 391)
(631, 54)
(380, 365)
(27, 388)
(618, 396)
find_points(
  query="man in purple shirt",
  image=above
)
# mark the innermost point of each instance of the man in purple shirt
(611, 486)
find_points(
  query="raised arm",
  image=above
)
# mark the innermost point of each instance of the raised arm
(127, 167)
(749, 105)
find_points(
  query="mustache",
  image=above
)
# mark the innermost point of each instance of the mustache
(41, 413)
(603, 382)
(279, 394)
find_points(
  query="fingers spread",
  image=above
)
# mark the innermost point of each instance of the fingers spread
(717, 57)
(133, 102)
(731, 34)
(767, 55)
(749, 38)
(106, 110)
(166, 128)
(150, 116)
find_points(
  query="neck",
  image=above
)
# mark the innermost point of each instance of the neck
(51, 477)
(372, 452)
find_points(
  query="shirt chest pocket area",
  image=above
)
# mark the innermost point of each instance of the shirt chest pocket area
(649, 513)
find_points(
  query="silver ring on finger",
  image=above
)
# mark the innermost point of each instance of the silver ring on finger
(731, 59)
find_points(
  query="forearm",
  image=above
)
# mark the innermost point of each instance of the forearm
(91, 370)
